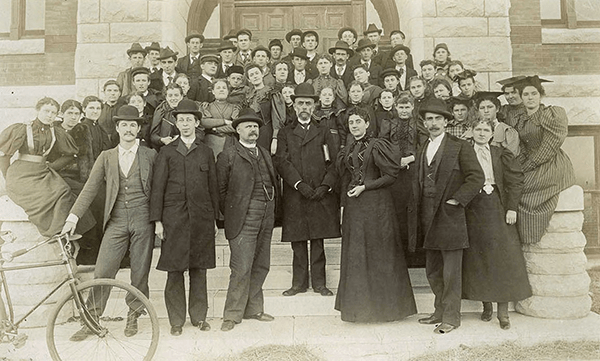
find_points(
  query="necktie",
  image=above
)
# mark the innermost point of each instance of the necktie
(340, 71)
(126, 161)
(254, 151)
(401, 71)
(170, 78)
(154, 70)
(194, 59)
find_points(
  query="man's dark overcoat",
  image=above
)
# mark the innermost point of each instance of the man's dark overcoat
(185, 198)
(301, 157)
(459, 177)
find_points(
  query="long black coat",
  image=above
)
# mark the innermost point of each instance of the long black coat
(185, 198)
(302, 158)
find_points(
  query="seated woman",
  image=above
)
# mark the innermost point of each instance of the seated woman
(548, 169)
(71, 115)
(217, 118)
(163, 130)
(505, 136)
(33, 183)
(325, 80)
(138, 101)
(374, 283)
(493, 266)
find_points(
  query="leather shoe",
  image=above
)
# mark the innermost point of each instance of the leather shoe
(293, 291)
(324, 291)
(227, 325)
(176, 330)
(202, 325)
(431, 320)
(131, 327)
(486, 315)
(504, 323)
(81, 335)
(261, 316)
(444, 328)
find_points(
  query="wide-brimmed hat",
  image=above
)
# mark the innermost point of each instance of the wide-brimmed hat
(365, 43)
(193, 36)
(187, 106)
(293, 32)
(341, 45)
(259, 48)
(154, 46)
(128, 112)
(510, 81)
(389, 71)
(397, 48)
(372, 28)
(136, 48)
(244, 31)
(167, 53)
(247, 115)
(226, 44)
(230, 35)
(139, 70)
(347, 28)
(437, 106)
(275, 42)
(310, 32)
(210, 57)
(305, 90)
(299, 52)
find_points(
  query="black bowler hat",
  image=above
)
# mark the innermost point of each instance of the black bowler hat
(193, 36)
(289, 35)
(365, 43)
(247, 115)
(128, 112)
(299, 52)
(437, 106)
(187, 106)
(136, 48)
(305, 90)
(341, 45)
(373, 29)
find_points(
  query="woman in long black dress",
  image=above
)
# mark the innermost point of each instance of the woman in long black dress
(494, 267)
(374, 282)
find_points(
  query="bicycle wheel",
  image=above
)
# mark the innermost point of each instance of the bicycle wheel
(111, 344)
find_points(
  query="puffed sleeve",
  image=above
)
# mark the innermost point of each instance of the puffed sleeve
(513, 179)
(554, 123)
(12, 139)
(386, 157)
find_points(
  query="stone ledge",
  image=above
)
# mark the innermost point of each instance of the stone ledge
(560, 285)
(570, 36)
(571, 199)
(572, 85)
(93, 33)
(558, 243)
(458, 27)
(555, 307)
(22, 46)
(555, 263)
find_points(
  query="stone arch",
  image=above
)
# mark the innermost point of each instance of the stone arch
(388, 13)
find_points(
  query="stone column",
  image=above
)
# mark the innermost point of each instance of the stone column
(556, 265)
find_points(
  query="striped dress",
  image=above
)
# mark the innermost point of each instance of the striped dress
(548, 169)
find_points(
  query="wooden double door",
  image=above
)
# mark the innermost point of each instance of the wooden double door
(273, 19)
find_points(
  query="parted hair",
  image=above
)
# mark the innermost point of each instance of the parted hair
(45, 101)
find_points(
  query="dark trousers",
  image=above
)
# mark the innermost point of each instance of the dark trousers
(128, 228)
(250, 262)
(175, 297)
(444, 273)
(300, 264)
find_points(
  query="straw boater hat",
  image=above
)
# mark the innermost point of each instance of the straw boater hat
(154, 46)
(289, 35)
(304, 90)
(187, 106)
(342, 45)
(372, 29)
(247, 115)
(193, 36)
(365, 43)
(136, 48)
(128, 112)
(436, 106)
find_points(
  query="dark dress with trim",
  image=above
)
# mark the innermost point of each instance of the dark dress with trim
(374, 282)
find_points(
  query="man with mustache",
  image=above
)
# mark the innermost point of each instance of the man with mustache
(448, 178)
(126, 171)
(305, 160)
(247, 184)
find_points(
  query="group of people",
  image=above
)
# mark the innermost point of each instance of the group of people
(353, 143)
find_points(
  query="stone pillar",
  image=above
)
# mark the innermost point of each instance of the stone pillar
(556, 265)
(107, 28)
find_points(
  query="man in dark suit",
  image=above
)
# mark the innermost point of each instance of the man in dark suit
(243, 56)
(136, 56)
(141, 82)
(448, 178)
(247, 189)
(190, 64)
(398, 55)
(227, 52)
(209, 63)
(397, 37)
(126, 170)
(341, 52)
(153, 52)
(365, 58)
(294, 38)
(165, 76)
(373, 33)
(305, 160)
(301, 71)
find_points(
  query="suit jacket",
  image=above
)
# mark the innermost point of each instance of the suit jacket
(410, 72)
(509, 177)
(311, 73)
(185, 66)
(106, 169)
(374, 70)
(459, 176)
(236, 182)
(347, 77)
(203, 91)
(156, 80)
(125, 81)
(237, 59)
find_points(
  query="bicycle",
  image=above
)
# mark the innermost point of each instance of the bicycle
(97, 304)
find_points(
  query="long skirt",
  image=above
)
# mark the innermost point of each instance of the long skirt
(493, 267)
(374, 282)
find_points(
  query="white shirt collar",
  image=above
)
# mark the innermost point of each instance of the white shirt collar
(189, 140)
(166, 76)
(123, 151)
(209, 78)
(299, 71)
(438, 139)
(485, 146)
(247, 145)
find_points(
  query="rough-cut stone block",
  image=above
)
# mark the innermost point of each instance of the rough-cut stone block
(560, 285)
(156, 10)
(460, 8)
(427, 7)
(573, 86)
(93, 33)
(498, 26)
(421, 48)
(416, 28)
(481, 53)
(555, 263)
(497, 7)
(123, 11)
(88, 63)
(89, 11)
(571, 199)
(558, 243)
(135, 32)
(555, 307)
(459, 27)
(86, 87)
(564, 222)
